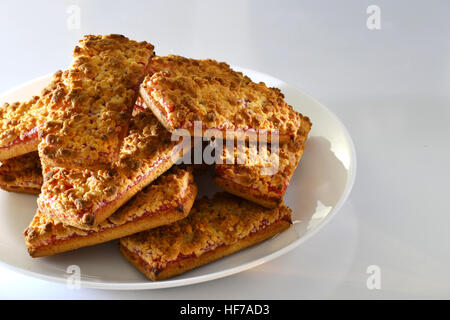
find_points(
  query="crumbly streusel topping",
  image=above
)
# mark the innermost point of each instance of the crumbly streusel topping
(74, 195)
(20, 120)
(93, 102)
(167, 192)
(188, 90)
(265, 172)
(222, 220)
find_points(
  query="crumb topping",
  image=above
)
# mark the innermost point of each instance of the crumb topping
(222, 220)
(93, 101)
(19, 121)
(188, 90)
(167, 192)
(260, 172)
(74, 195)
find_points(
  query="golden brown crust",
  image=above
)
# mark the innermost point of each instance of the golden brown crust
(254, 180)
(223, 221)
(180, 91)
(93, 102)
(167, 200)
(19, 122)
(247, 193)
(190, 263)
(20, 147)
(85, 198)
(21, 174)
(16, 120)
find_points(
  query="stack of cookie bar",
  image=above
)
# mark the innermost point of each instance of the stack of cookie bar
(101, 148)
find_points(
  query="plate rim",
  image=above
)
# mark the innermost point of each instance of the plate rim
(223, 273)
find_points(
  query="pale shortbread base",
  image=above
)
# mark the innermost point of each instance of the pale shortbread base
(247, 193)
(19, 149)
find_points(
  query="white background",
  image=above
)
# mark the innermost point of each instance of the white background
(390, 87)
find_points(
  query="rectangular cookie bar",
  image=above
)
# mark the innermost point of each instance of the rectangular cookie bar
(215, 228)
(18, 128)
(180, 91)
(85, 198)
(19, 122)
(165, 201)
(22, 174)
(254, 180)
(93, 102)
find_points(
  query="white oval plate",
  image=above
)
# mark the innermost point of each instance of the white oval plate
(318, 189)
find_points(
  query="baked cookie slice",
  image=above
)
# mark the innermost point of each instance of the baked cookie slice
(181, 91)
(22, 174)
(19, 122)
(93, 102)
(215, 228)
(165, 201)
(265, 175)
(85, 198)
(18, 128)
